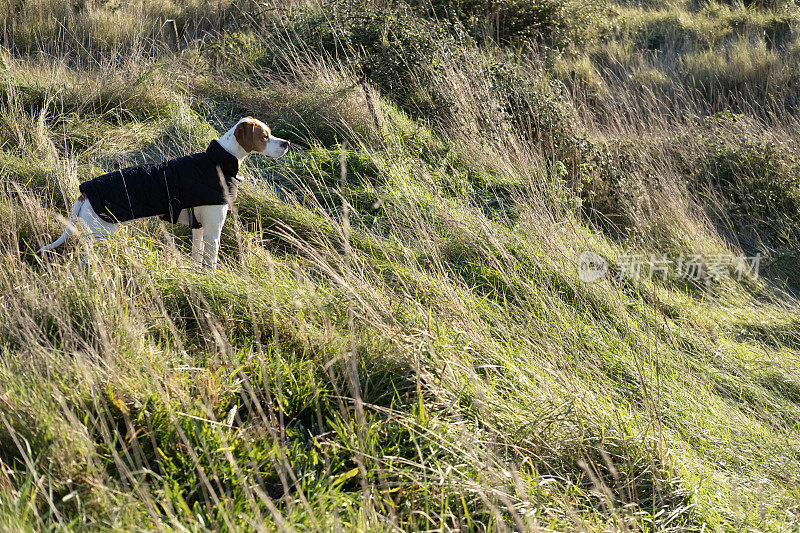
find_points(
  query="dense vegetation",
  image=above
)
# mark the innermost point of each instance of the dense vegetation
(397, 336)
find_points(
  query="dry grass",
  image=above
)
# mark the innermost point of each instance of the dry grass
(397, 338)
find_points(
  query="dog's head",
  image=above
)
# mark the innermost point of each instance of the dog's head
(255, 136)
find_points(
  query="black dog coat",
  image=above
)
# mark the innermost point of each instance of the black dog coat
(164, 189)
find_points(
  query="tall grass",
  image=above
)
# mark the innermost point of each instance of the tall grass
(397, 338)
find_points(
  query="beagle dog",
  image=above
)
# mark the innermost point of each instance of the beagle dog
(195, 190)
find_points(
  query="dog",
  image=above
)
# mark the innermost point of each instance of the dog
(195, 190)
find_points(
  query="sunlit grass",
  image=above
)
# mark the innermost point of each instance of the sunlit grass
(401, 343)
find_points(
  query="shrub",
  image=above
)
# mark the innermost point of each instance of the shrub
(393, 49)
(757, 178)
(556, 23)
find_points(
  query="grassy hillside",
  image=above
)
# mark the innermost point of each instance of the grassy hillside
(397, 337)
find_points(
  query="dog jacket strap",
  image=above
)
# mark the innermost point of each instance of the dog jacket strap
(193, 222)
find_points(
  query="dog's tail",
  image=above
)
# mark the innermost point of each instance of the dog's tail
(73, 216)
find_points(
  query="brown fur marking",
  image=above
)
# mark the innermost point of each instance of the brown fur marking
(251, 135)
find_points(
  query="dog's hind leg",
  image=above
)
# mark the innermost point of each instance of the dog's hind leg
(73, 216)
(93, 229)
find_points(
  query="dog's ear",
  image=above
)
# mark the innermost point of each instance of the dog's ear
(245, 135)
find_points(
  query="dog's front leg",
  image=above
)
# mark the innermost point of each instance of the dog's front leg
(210, 248)
(197, 245)
(212, 217)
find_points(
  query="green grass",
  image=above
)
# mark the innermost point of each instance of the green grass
(407, 346)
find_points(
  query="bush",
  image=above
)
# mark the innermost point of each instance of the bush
(555, 23)
(388, 47)
(757, 178)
